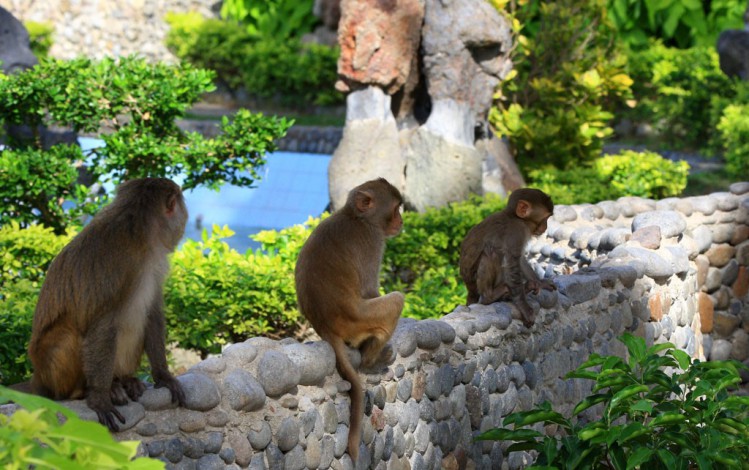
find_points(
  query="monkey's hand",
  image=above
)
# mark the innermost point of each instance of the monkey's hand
(105, 410)
(535, 286)
(526, 314)
(178, 393)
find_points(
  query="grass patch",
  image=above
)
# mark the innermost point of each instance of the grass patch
(707, 182)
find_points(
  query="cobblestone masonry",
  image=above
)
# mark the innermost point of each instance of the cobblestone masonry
(105, 28)
(672, 270)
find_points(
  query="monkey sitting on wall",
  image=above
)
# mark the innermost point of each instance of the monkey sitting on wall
(492, 261)
(101, 303)
(338, 288)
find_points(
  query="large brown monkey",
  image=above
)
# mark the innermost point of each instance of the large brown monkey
(338, 288)
(101, 303)
(492, 261)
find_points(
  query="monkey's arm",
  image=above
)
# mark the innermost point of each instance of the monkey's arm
(156, 351)
(533, 282)
(513, 274)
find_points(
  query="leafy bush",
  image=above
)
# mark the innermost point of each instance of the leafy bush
(683, 23)
(650, 418)
(275, 20)
(138, 103)
(216, 295)
(292, 71)
(40, 37)
(25, 255)
(681, 93)
(34, 181)
(644, 174)
(734, 137)
(211, 44)
(630, 173)
(284, 70)
(422, 260)
(33, 437)
(557, 108)
(17, 303)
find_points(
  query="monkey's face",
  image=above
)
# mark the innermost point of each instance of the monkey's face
(535, 216)
(539, 225)
(395, 221)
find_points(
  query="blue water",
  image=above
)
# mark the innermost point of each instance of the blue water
(293, 187)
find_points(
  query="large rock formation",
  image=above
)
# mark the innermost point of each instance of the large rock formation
(15, 53)
(421, 75)
(733, 50)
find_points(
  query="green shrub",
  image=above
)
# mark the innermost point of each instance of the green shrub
(734, 137)
(34, 437)
(25, 255)
(556, 110)
(215, 295)
(630, 173)
(422, 260)
(284, 70)
(291, 71)
(583, 184)
(681, 93)
(40, 38)
(683, 23)
(644, 174)
(650, 418)
(275, 20)
(138, 104)
(211, 44)
(17, 303)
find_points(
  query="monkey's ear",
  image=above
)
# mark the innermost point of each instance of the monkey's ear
(523, 209)
(363, 200)
(171, 204)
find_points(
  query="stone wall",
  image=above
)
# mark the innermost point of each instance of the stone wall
(672, 270)
(106, 28)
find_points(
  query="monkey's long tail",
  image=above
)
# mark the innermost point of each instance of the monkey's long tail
(356, 394)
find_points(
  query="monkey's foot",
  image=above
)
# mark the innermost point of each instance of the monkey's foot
(527, 317)
(117, 394)
(178, 394)
(105, 411)
(133, 387)
(376, 362)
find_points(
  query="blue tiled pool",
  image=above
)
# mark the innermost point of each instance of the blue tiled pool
(293, 187)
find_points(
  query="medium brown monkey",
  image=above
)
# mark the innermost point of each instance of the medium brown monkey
(338, 288)
(492, 261)
(101, 303)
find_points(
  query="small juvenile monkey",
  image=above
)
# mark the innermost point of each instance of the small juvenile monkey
(492, 261)
(338, 288)
(101, 303)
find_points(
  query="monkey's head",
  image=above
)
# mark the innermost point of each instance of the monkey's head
(159, 203)
(378, 202)
(533, 206)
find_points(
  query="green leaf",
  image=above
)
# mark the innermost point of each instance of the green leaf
(682, 358)
(635, 346)
(672, 20)
(639, 457)
(632, 431)
(668, 459)
(667, 419)
(500, 434)
(644, 406)
(587, 402)
(626, 393)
